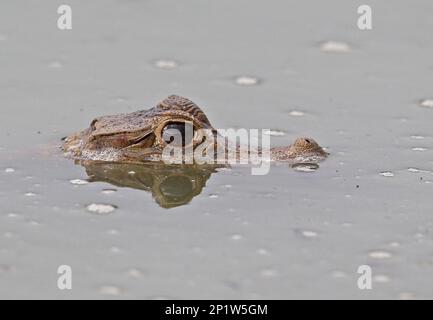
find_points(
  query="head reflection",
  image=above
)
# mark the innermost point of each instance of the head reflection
(170, 185)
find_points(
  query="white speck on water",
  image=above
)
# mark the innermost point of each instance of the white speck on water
(108, 191)
(380, 254)
(12, 215)
(381, 278)
(228, 186)
(309, 233)
(417, 137)
(419, 149)
(305, 168)
(131, 173)
(112, 232)
(213, 196)
(109, 290)
(34, 223)
(115, 250)
(413, 170)
(9, 170)
(338, 274)
(335, 46)
(166, 64)
(55, 65)
(236, 237)
(394, 244)
(135, 273)
(78, 181)
(387, 174)
(268, 273)
(275, 133)
(8, 234)
(263, 252)
(426, 103)
(101, 208)
(296, 113)
(406, 296)
(246, 81)
(30, 194)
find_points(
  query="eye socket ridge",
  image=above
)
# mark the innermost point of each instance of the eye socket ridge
(178, 132)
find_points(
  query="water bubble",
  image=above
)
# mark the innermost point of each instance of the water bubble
(78, 181)
(381, 278)
(268, 273)
(135, 273)
(112, 232)
(131, 173)
(213, 196)
(394, 244)
(247, 81)
(12, 215)
(309, 233)
(380, 254)
(30, 194)
(100, 208)
(335, 47)
(166, 64)
(296, 113)
(338, 274)
(275, 133)
(406, 296)
(387, 174)
(9, 170)
(109, 290)
(417, 137)
(115, 250)
(262, 251)
(426, 103)
(419, 149)
(55, 65)
(108, 191)
(305, 167)
(236, 237)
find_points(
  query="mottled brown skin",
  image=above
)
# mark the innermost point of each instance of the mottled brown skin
(137, 136)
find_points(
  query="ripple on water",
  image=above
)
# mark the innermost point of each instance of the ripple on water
(9, 170)
(335, 47)
(100, 208)
(419, 149)
(426, 103)
(247, 81)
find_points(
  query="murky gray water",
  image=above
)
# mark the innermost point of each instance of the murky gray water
(249, 64)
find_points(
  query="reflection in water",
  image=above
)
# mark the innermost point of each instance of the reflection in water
(170, 185)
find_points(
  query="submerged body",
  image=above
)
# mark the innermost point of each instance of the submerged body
(141, 136)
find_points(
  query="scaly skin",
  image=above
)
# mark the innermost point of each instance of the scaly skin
(139, 136)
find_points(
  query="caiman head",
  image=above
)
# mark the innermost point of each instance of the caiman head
(141, 135)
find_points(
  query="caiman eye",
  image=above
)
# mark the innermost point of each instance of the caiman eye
(178, 133)
(307, 141)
